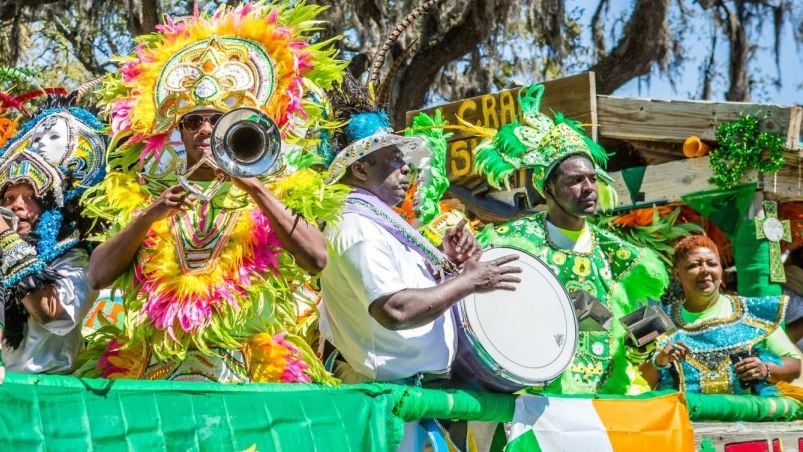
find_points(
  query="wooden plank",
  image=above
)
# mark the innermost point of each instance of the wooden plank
(574, 96)
(668, 182)
(673, 121)
(786, 184)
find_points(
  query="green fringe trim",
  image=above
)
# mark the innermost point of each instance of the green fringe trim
(433, 182)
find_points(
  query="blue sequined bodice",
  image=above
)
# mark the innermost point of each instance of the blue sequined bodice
(708, 368)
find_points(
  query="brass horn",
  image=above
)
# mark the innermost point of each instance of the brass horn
(245, 143)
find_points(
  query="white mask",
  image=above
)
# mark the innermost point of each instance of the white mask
(50, 139)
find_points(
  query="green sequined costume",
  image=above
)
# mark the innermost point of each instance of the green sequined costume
(618, 273)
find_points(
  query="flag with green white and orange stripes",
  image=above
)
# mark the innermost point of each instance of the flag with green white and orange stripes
(658, 422)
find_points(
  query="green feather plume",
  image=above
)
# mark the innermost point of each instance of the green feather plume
(498, 158)
(433, 180)
(530, 98)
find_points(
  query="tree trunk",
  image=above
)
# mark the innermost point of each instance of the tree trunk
(644, 41)
(456, 40)
(739, 89)
(143, 16)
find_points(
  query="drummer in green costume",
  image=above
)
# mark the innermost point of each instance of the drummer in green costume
(568, 170)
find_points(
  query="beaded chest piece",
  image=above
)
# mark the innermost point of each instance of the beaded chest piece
(708, 368)
(201, 235)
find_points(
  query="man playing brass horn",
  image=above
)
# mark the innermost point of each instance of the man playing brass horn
(208, 269)
(567, 170)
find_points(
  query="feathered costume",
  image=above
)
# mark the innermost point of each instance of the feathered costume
(59, 153)
(618, 273)
(211, 295)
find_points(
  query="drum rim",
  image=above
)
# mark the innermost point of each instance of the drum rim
(485, 356)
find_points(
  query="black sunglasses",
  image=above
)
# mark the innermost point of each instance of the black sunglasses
(193, 122)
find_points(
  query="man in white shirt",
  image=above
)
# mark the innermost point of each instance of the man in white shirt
(386, 301)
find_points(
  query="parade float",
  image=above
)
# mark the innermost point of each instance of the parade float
(731, 170)
(65, 412)
(62, 412)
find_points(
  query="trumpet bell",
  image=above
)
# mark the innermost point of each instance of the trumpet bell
(246, 143)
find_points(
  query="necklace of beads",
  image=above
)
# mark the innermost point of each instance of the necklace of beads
(426, 248)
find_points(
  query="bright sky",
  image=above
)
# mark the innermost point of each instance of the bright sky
(696, 40)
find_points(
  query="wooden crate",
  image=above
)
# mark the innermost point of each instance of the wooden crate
(667, 182)
(657, 128)
(651, 123)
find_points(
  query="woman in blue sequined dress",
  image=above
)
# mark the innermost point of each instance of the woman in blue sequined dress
(724, 344)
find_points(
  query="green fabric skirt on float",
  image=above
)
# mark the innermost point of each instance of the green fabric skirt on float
(69, 413)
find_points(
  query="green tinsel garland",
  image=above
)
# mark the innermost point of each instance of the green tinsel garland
(741, 146)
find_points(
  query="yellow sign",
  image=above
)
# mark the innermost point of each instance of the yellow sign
(571, 95)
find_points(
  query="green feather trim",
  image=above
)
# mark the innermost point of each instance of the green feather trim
(433, 181)
(306, 194)
(646, 280)
(607, 198)
(498, 158)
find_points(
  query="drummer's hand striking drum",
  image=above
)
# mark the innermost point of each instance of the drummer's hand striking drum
(508, 340)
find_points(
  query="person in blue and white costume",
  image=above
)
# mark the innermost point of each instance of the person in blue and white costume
(44, 170)
(724, 344)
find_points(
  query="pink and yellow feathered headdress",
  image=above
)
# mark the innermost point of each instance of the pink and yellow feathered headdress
(256, 55)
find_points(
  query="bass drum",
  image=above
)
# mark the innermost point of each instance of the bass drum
(508, 340)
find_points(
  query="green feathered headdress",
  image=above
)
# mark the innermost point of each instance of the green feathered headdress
(539, 143)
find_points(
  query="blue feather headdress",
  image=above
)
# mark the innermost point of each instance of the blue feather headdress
(367, 129)
(59, 171)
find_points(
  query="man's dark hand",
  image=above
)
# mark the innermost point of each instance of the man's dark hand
(172, 201)
(672, 352)
(246, 184)
(459, 244)
(491, 275)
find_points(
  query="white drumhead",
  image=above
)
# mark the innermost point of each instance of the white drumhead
(531, 333)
